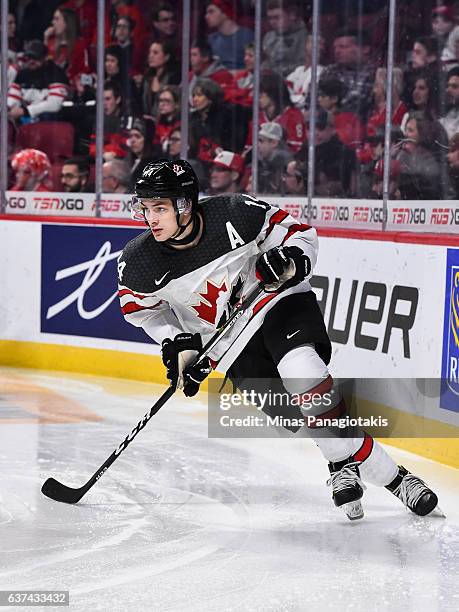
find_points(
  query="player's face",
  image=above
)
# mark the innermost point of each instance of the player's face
(160, 216)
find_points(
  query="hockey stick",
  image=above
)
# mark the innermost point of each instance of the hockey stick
(62, 493)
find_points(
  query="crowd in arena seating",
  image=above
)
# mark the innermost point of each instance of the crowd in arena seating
(52, 84)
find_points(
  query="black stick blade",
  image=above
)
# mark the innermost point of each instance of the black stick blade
(61, 493)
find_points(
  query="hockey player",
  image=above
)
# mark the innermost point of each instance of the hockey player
(180, 279)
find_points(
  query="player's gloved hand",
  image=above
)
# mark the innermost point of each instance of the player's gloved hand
(282, 267)
(179, 353)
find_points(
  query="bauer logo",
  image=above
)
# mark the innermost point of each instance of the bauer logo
(450, 361)
(79, 292)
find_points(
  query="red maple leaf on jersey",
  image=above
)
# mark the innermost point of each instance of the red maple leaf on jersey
(207, 309)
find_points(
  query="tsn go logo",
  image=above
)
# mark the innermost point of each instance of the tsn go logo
(38, 203)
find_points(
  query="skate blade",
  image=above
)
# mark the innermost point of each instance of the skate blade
(353, 510)
(437, 511)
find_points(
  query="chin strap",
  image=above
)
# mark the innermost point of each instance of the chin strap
(197, 222)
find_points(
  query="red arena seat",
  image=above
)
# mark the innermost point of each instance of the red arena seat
(55, 138)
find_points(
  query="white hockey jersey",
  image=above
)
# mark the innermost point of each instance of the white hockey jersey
(168, 291)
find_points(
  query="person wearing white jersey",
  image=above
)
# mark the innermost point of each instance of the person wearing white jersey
(180, 279)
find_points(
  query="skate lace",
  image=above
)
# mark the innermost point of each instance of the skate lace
(410, 490)
(344, 478)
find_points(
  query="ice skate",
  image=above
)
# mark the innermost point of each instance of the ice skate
(347, 487)
(414, 493)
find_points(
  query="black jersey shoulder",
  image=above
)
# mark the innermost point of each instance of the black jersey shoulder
(151, 265)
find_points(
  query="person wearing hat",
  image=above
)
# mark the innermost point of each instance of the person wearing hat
(273, 157)
(226, 173)
(39, 89)
(32, 168)
(442, 22)
(228, 39)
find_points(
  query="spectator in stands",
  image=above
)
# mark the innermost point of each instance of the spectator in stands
(357, 77)
(174, 143)
(34, 17)
(116, 176)
(165, 25)
(205, 66)
(425, 62)
(113, 108)
(75, 175)
(453, 165)
(141, 148)
(378, 180)
(65, 46)
(168, 116)
(117, 71)
(284, 43)
(132, 51)
(449, 53)
(420, 177)
(228, 38)
(295, 178)
(424, 96)
(162, 70)
(275, 106)
(127, 8)
(80, 110)
(299, 80)
(86, 11)
(215, 124)
(243, 79)
(442, 23)
(14, 43)
(336, 163)
(348, 126)
(32, 169)
(378, 115)
(273, 157)
(226, 173)
(39, 89)
(451, 120)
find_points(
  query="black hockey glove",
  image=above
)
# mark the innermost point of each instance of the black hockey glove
(178, 356)
(282, 267)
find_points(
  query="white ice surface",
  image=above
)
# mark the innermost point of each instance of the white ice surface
(181, 522)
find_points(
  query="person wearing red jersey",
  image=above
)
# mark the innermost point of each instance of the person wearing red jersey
(219, 249)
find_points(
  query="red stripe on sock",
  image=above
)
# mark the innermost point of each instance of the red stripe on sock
(365, 450)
